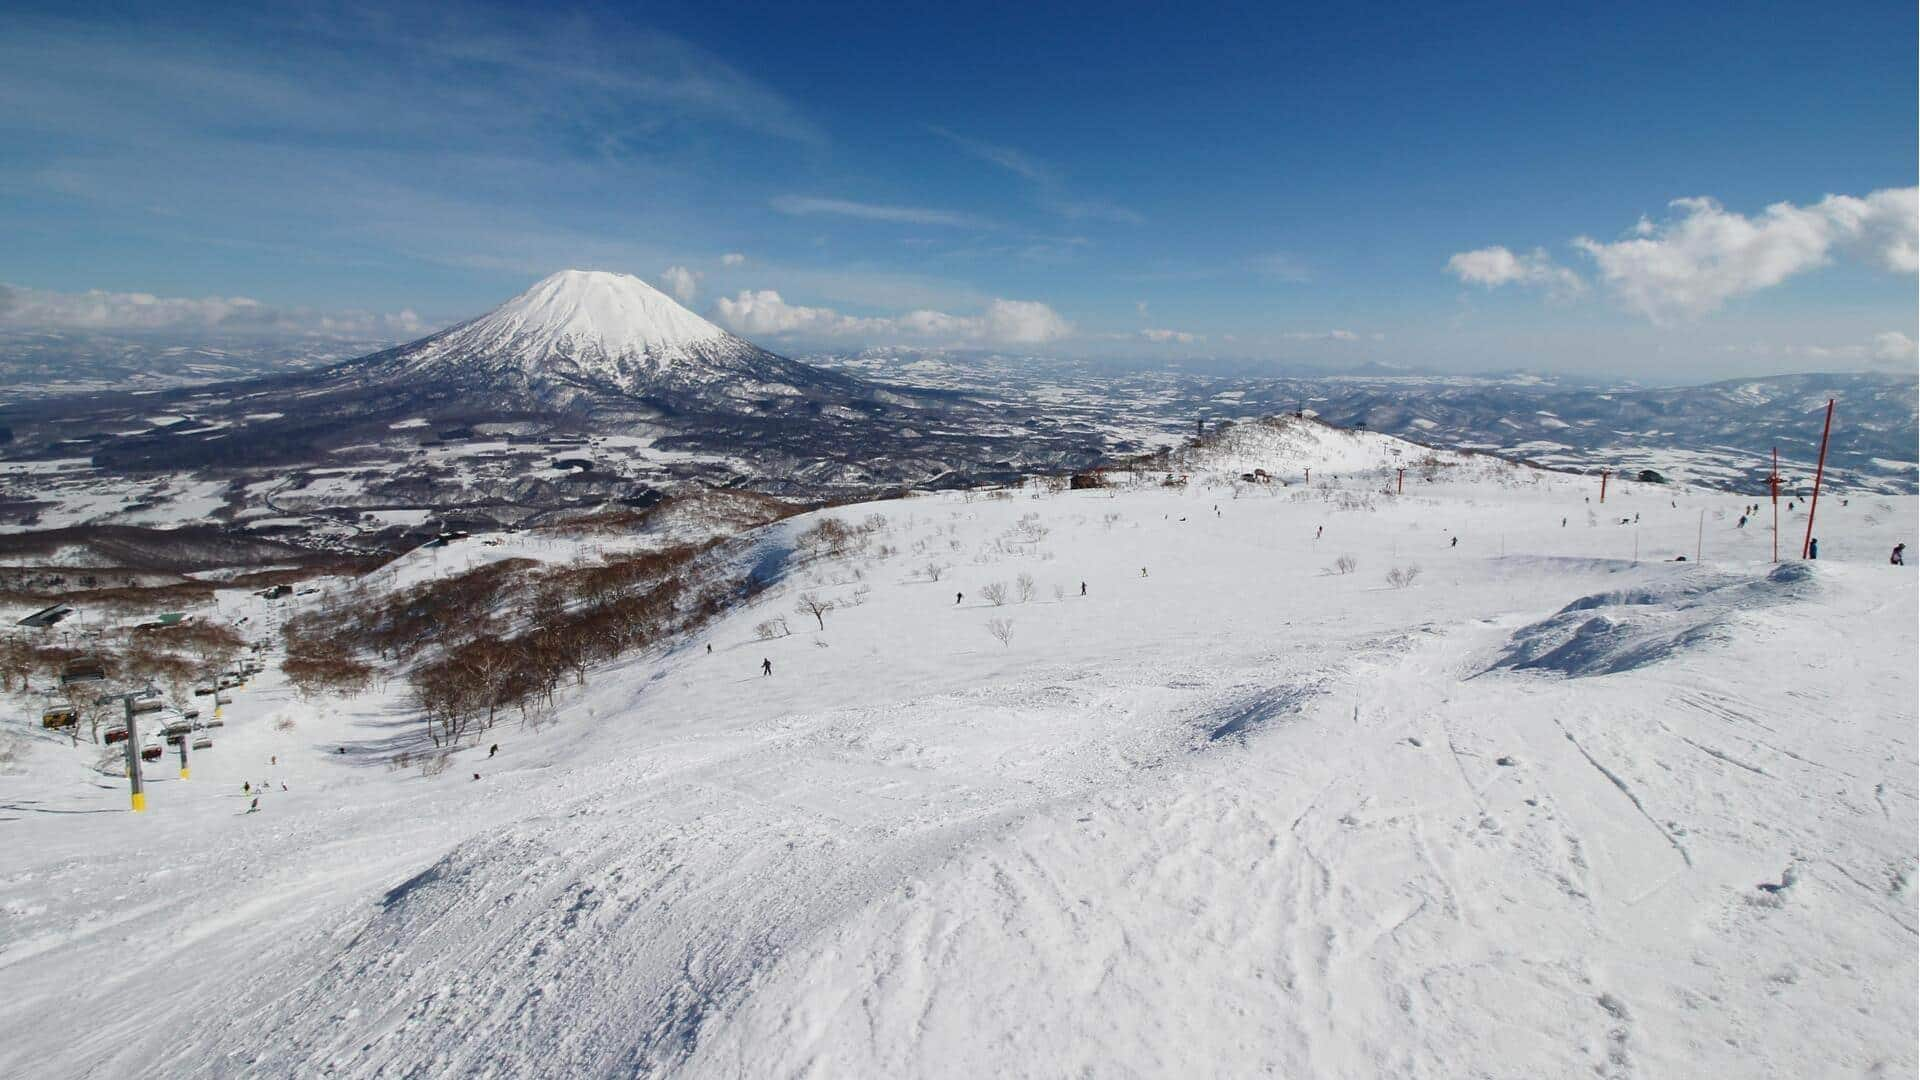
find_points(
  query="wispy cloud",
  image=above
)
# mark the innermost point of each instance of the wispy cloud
(683, 283)
(1282, 266)
(809, 206)
(133, 312)
(1050, 189)
(765, 313)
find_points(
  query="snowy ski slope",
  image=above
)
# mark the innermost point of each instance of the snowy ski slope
(1229, 813)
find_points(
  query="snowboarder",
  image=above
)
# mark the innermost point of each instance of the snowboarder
(1454, 543)
(255, 808)
(492, 750)
(1143, 571)
(766, 667)
(1813, 548)
(1743, 522)
(1899, 557)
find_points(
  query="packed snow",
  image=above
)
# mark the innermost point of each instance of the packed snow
(1558, 805)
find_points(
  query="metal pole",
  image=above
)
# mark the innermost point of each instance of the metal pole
(186, 760)
(135, 782)
(1819, 472)
(1603, 485)
(1773, 486)
(1400, 485)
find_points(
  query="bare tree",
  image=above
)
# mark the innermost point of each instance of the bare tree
(812, 604)
(1002, 630)
(1346, 564)
(1401, 577)
(775, 627)
(1024, 583)
(995, 592)
(933, 570)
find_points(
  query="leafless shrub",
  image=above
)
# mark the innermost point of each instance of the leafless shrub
(933, 570)
(775, 627)
(995, 592)
(283, 723)
(812, 604)
(1002, 630)
(1345, 564)
(1401, 577)
(1024, 585)
(434, 764)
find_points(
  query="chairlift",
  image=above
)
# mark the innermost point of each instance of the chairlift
(152, 753)
(202, 743)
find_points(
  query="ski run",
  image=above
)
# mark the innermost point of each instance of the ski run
(1553, 804)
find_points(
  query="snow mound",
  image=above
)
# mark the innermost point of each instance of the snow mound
(1289, 444)
(1608, 633)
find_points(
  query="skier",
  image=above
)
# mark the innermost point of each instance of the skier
(957, 597)
(1143, 571)
(766, 667)
(1454, 543)
(476, 776)
(1743, 522)
(1083, 585)
(1563, 523)
(1317, 530)
(246, 787)
(255, 808)
(1899, 557)
(492, 750)
(1813, 548)
(709, 648)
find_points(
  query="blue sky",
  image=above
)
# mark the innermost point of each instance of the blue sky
(1470, 187)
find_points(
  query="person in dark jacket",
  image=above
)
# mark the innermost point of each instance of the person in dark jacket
(766, 667)
(1813, 548)
(1899, 557)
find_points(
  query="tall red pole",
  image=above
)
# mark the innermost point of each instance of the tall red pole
(1819, 471)
(1773, 487)
(1603, 485)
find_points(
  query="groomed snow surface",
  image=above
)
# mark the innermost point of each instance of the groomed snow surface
(1228, 814)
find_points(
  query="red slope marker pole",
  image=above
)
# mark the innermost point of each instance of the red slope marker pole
(1603, 485)
(1819, 473)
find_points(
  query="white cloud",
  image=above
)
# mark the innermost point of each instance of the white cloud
(1004, 322)
(1321, 335)
(132, 312)
(733, 258)
(1705, 255)
(1495, 266)
(807, 206)
(683, 283)
(1171, 337)
(1894, 347)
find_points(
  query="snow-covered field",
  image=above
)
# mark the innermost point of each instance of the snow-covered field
(1228, 813)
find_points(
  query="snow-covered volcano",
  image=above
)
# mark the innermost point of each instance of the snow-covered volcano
(585, 332)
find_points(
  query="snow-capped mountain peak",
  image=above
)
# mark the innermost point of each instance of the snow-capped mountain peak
(622, 314)
(582, 332)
